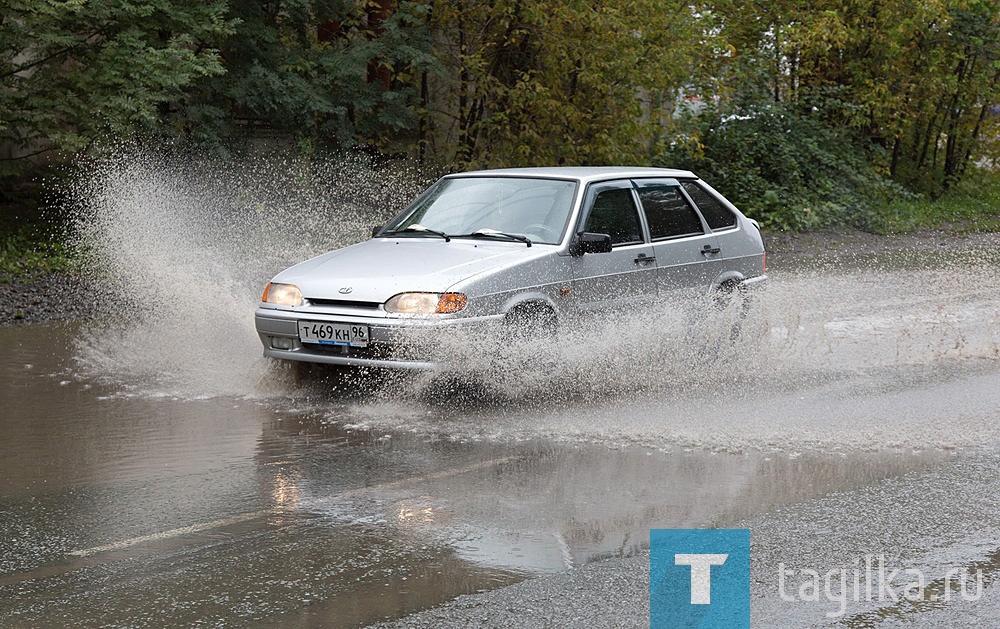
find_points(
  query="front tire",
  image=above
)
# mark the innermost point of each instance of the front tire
(529, 347)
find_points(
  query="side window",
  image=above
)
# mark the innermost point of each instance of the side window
(614, 213)
(667, 211)
(717, 215)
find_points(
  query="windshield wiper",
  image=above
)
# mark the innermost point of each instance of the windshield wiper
(420, 229)
(492, 233)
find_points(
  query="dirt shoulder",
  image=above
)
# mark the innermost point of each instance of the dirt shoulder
(785, 245)
(46, 297)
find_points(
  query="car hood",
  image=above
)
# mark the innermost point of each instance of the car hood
(377, 269)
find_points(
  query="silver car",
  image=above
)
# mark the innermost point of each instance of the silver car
(526, 249)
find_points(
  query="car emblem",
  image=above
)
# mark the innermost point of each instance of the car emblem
(346, 290)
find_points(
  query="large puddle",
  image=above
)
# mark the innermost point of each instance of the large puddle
(157, 470)
(239, 496)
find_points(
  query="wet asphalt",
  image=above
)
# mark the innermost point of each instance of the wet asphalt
(860, 423)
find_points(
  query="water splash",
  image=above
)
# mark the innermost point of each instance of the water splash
(183, 246)
(876, 354)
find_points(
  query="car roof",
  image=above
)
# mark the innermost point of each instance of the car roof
(579, 173)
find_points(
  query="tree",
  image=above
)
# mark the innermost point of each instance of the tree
(74, 71)
(917, 78)
(322, 73)
(912, 83)
(558, 82)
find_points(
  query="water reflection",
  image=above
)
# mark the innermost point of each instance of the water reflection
(551, 507)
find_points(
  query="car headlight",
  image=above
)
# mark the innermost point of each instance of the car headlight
(282, 295)
(426, 303)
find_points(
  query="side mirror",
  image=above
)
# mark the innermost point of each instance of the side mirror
(588, 242)
(376, 230)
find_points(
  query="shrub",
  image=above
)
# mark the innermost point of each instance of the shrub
(787, 170)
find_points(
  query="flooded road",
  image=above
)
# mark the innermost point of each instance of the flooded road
(151, 481)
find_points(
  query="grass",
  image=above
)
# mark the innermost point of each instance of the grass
(27, 248)
(972, 206)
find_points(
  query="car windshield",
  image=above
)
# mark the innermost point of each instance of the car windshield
(482, 206)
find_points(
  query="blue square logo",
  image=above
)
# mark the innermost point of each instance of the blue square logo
(699, 578)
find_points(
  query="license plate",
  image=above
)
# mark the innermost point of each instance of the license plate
(333, 333)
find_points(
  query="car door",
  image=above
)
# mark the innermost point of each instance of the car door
(687, 252)
(735, 254)
(626, 275)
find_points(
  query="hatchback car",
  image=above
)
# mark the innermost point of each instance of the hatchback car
(523, 249)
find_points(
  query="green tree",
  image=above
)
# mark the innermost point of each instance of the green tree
(74, 71)
(322, 73)
(910, 84)
(952, 113)
(915, 77)
(558, 82)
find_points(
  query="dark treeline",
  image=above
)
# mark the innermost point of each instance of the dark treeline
(784, 102)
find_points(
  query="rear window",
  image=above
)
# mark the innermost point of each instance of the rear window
(667, 211)
(717, 215)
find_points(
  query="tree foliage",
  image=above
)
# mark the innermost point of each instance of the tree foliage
(902, 89)
(917, 77)
(321, 73)
(788, 170)
(558, 82)
(72, 71)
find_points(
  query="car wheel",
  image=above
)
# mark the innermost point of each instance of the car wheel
(529, 342)
(734, 302)
(532, 322)
(299, 372)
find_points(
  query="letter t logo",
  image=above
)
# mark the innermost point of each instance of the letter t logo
(701, 575)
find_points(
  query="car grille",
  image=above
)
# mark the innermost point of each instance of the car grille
(344, 303)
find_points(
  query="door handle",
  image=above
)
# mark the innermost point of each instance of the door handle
(707, 249)
(644, 258)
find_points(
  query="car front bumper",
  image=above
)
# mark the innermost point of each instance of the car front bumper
(403, 344)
